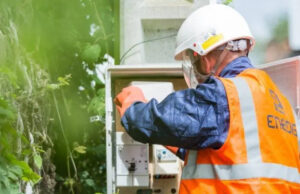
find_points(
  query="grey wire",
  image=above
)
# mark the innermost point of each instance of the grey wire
(145, 41)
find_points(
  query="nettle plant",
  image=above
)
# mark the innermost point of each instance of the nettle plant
(23, 114)
(52, 54)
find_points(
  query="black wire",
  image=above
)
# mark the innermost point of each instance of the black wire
(145, 41)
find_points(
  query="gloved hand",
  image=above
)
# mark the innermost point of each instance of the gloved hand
(173, 149)
(128, 96)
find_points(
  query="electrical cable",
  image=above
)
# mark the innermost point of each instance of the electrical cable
(145, 41)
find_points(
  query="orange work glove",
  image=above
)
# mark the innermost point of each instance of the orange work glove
(173, 149)
(127, 97)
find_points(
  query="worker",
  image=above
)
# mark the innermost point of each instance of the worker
(233, 127)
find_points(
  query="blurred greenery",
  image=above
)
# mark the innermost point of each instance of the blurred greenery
(49, 53)
(280, 29)
(227, 2)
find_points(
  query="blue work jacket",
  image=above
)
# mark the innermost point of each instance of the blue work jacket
(188, 119)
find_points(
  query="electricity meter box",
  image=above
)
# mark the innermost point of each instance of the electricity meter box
(134, 167)
(286, 74)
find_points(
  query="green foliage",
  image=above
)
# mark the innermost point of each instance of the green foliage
(46, 48)
(15, 92)
(9, 179)
(12, 168)
(79, 149)
(96, 105)
(62, 81)
(38, 161)
(280, 29)
(28, 174)
(227, 2)
(91, 53)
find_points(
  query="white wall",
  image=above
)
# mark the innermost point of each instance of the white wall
(144, 20)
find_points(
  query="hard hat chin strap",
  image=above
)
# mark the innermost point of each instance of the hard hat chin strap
(239, 45)
(202, 77)
(219, 62)
(234, 46)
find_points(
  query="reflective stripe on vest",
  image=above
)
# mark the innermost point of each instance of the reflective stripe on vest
(255, 168)
(249, 119)
(241, 171)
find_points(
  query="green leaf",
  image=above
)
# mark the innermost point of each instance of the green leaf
(26, 152)
(6, 112)
(97, 104)
(12, 176)
(14, 173)
(80, 149)
(90, 182)
(16, 170)
(28, 173)
(69, 182)
(5, 181)
(91, 53)
(85, 174)
(38, 161)
(40, 150)
(64, 81)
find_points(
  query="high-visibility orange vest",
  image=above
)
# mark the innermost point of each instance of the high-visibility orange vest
(260, 154)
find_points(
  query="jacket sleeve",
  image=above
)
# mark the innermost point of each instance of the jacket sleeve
(190, 119)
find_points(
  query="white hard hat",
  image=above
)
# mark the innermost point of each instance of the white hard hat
(210, 27)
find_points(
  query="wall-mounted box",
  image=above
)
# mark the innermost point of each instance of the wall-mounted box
(133, 167)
